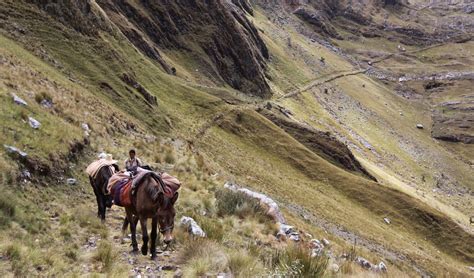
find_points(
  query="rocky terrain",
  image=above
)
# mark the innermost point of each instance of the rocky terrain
(313, 138)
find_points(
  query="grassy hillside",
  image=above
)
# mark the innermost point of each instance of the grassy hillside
(207, 134)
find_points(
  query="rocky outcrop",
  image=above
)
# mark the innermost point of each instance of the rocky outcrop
(216, 34)
(318, 20)
(321, 143)
(130, 80)
(210, 31)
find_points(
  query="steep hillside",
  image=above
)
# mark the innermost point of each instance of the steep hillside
(354, 116)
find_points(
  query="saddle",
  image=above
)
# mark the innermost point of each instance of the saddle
(168, 184)
(119, 187)
(123, 187)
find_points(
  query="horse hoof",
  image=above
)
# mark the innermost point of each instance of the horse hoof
(144, 250)
(153, 257)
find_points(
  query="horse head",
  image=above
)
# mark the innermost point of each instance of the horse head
(166, 214)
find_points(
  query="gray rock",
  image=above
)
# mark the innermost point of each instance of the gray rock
(25, 174)
(325, 242)
(15, 151)
(380, 267)
(46, 103)
(85, 127)
(71, 181)
(363, 262)
(18, 100)
(419, 126)
(102, 155)
(34, 123)
(273, 209)
(471, 268)
(192, 227)
(387, 220)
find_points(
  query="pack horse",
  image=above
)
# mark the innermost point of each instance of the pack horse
(100, 172)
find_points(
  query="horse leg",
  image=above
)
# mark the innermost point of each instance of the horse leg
(126, 222)
(154, 235)
(144, 235)
(97, 197)
(102, 208)
(133, 230)
(125, 225)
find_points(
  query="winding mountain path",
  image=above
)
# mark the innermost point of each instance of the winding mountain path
(318, 81)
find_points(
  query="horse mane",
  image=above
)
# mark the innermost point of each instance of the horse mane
(153, 190)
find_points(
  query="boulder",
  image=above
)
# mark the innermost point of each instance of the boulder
(15, 151)
(316, 247)
(25, 175)
(102, 155)
(273, 209)
(34, 123)
(363, 262)
(381, 267)
(86, 129)
(18, 100)
(46, 103)
(192, 227)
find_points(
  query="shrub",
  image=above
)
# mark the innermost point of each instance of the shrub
(71, 253)
(170, 157)
(202, 256)
(43, 96)
(229, 202)
(296, 261)
(214, 229)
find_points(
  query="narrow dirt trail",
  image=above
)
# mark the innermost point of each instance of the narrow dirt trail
(136, 264)
(319, 81)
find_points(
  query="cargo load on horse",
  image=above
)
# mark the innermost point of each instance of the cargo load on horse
(122, 186)
(99, 173)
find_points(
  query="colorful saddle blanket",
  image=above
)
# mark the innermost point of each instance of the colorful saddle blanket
(120, 188)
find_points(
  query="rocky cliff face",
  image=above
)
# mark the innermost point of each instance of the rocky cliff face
(213, 31)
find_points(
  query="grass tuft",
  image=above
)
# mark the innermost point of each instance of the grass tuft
(15, 255)
(202, 256)
(296, 261)
(105, 255)
(237, 203)
(243, 264)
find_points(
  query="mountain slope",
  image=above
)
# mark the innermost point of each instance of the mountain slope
(336, 122)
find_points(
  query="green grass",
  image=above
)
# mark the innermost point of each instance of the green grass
(296, 261)
(244, 147)
(105, 255)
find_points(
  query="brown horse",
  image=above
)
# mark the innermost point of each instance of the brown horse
(99, 185)
(149, 201)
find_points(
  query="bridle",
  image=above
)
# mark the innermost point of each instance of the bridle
(164, 230)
